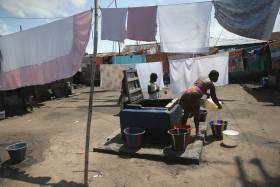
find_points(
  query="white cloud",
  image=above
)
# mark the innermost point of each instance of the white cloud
(4, 28)
(41, 8)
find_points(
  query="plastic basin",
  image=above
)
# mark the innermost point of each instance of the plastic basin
(218, 127)
(134, 137)
(179, 138)
(230, 138)
(17, 151)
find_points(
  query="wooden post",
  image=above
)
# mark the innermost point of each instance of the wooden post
(93, 64)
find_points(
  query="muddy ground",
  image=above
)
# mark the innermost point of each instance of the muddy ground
(55, 133)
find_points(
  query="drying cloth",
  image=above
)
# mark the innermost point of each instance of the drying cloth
(249, 18)
(184, 28)
(44, 54)
(113, 24)
(142, 23)
(144, 71)
(235, 61)
(98, 60)
(184, 72)
(111, 75)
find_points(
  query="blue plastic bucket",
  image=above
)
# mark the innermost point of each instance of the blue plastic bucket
(218, 127)
(134, 136)
(17, 151)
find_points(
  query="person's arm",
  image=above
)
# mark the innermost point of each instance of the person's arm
(213, 95)
(207, 95)
(157, 88)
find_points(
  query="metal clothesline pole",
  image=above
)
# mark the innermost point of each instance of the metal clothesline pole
(93, 64)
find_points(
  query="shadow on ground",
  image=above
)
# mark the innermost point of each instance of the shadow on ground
(267, 95)
(244, 178)
(8, 171)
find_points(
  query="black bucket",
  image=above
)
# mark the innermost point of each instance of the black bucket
(202, 115)
(17, 151)
(179, 138)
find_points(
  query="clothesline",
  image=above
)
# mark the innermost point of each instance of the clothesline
(185, 27)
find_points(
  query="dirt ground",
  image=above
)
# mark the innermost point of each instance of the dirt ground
(55, 133)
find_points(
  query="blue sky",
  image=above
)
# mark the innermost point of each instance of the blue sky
(64, 8)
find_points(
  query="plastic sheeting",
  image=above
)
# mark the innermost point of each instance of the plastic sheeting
(248, 18)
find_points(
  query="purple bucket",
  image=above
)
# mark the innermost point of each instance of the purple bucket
(218, 127)
(134, 137)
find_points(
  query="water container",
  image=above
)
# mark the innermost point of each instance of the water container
(230, 138)
(17, 151)
(202, 115)
(218, 127)
(209, 104)
(179, 138)
(2, 114)
(134, 137)
(188, 128)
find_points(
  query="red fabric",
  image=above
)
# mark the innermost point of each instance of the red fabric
(99, 60)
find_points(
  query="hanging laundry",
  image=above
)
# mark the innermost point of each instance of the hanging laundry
(248, 18)
(142, 23)
(144, 71)
(184, 28)
(44, 54)
(98, 60)
(184, 72)
(235, 61)
(113, 24)
(111, 75)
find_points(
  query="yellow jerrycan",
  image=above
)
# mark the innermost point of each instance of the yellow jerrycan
(209, 104)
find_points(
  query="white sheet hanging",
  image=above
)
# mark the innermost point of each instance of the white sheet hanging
(144, 71)
(185, 27)
(184, 72)
(44, 54)
(113, 24)
(248, 18)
